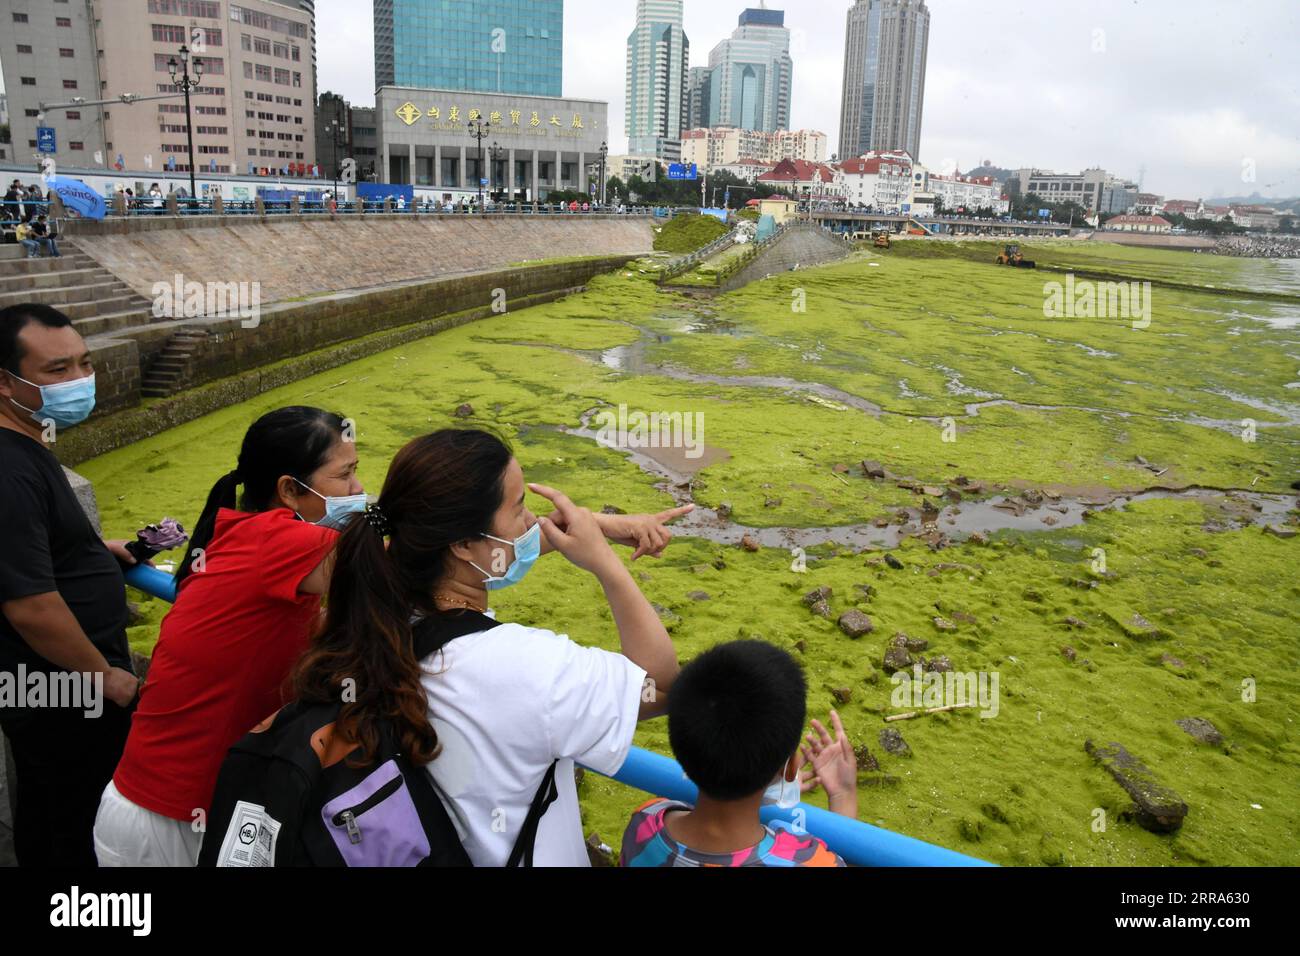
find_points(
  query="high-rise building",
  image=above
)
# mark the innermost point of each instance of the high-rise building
(884, 76)
(698, 80)
(727, 145)
(485, 46)
(48, 55)
(751, 74)
(658, 53)
(308, 7)
(254, 107)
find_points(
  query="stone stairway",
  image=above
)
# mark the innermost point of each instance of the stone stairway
(95, 299)
(163, 375)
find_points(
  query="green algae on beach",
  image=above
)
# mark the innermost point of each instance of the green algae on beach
(935, 365)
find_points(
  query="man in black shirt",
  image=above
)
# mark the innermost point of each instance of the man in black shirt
(62, 600)
(13, 203)
(46, 236)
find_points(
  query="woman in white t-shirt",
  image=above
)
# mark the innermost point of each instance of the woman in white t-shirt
(492, 711)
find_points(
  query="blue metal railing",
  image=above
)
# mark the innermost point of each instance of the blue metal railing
(860, 844)
(190, 206)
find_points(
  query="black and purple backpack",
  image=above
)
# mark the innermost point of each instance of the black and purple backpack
(286, 795)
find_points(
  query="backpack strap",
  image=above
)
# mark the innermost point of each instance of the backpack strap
(434, 633)
(547, 793)
(430, 636)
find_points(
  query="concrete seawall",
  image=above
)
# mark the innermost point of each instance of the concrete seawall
(297, 256)
(227, 363)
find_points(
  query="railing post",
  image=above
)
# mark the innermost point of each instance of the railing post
(218, 204)
(260, 205)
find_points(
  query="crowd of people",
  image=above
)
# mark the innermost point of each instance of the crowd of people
(300, 594)
(26, 210)
(1259, 247)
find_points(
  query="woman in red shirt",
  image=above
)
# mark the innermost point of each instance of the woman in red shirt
(248, 597)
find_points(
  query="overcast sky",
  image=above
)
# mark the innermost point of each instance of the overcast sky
(1189, 89)
(1201, 94)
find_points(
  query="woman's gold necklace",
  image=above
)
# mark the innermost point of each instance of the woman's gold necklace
(459, 602)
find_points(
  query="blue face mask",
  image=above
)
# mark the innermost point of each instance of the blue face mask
(65, 403)
(528, 548)
(339, 511)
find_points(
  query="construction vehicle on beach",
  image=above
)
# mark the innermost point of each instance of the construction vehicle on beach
(1012, 256)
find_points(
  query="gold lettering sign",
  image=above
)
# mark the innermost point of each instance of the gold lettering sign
(449, 119)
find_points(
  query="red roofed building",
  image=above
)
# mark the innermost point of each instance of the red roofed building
(808, 180)
(1181, 207)
(1136, 223)
(880, 180)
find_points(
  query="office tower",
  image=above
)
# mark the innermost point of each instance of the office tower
(254, 107)
(485, 46)
(751, 74)
(884, 76)
(698, 81)
(658, 53)
(48, 54)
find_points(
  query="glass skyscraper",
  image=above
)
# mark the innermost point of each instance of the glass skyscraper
(658, 105)
(487, 46)
(884, 76)
(751, 73)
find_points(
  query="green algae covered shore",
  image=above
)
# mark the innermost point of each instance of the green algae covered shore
(1106, 616)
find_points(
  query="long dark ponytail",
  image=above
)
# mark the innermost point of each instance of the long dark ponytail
(440, 490)
(293, 441)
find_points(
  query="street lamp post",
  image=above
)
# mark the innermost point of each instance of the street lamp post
(335, 128)
(479, 130)
(495, 154)
(604, 178)
(187, 84)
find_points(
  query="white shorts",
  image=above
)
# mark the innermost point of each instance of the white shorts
(129, 835)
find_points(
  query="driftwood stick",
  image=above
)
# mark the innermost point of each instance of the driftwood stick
(922, 713)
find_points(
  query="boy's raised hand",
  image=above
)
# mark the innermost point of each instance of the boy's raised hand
(834, 766)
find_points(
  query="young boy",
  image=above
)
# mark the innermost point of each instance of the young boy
(735, 719)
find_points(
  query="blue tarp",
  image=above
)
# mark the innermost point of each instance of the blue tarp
(378, 192)
(766, 226)
(271, 194)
